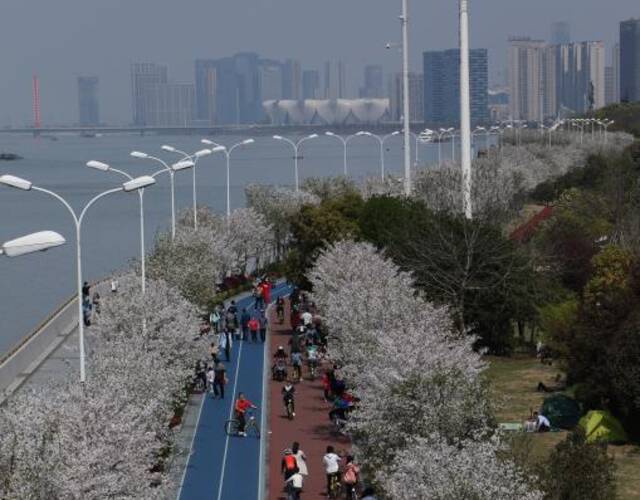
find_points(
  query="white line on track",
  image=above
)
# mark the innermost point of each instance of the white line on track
(193, 439)
(233, 398)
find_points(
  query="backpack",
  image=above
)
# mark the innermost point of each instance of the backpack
(350, 476)
(290, 462)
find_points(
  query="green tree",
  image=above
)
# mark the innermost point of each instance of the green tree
(577, 470)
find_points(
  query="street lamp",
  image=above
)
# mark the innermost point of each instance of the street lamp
(31, 243)
(181, 165)
(296, 146)
(104, 167)
(129, 186)
(345, 141)
(381, 140)
(227, 151)
(194, 157)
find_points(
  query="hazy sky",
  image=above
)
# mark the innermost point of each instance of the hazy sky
(61, 39)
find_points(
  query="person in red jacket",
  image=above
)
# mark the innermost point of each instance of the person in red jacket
(254, 326)
(266, 291)
(241, 407)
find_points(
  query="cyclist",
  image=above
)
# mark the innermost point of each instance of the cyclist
(280, 309)
(241, 407)
(312, 359)
(296, 363)
(288, 392)
(279, 368)
(350, 477)
(289, 464)
(331, 462)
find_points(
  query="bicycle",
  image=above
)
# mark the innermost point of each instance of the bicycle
(313, 364)
(232, 426)
(289, 408)
(334, 486)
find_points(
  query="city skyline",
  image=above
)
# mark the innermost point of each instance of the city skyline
(66, 46)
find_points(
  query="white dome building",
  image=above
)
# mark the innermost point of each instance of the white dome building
(327, 112)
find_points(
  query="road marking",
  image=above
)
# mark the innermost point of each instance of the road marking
(193, 440)
(233, 398)
(265, 406)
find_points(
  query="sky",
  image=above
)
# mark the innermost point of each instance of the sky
(61, 39)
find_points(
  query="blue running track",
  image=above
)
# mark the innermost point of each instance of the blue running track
(221, 467)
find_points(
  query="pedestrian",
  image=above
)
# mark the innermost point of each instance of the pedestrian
(263, 325)
(86, 311)
(96, 302)
(225, 343)
(253, 326)
(114, 285)
(245, 317)
(257, 294)
(211, 380)
(350, 476)
(230, 321)
(301, 458)
(266, 291)
(86, 289)
(219, 379)
(214, 320)
(213, 351)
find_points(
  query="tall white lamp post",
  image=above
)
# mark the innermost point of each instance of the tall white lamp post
(465, 108)
(194, 158)
(345, 141)
(181, 165)
(296, 147)
(129, 186)
(227, 151)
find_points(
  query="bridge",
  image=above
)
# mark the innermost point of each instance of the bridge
(257, 130)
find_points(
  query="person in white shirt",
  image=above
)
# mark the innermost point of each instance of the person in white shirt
(294, 486)
(331, 463)
(542, 422)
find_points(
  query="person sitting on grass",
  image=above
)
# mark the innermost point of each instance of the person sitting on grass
(542, 422)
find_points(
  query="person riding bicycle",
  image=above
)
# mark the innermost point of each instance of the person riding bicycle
(350, 477)
(296, 362)
(289, 464)
(331, 462)
(241, 407)
(288, 393)
(279, 369)
(312, 355)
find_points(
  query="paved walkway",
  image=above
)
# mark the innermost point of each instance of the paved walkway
(310, 427)
(222, 467)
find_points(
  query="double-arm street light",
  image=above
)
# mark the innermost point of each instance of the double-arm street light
(194, 158)
(345, 141)
(295, 146)
(129, 186)
(218, 148)
(381, 140)
(31, 243)
(181, 165)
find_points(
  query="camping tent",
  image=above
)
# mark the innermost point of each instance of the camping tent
(562, 411)
(602, 426)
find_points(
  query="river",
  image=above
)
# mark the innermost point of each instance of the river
(32, 286)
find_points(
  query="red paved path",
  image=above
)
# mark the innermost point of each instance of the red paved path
(311, 426)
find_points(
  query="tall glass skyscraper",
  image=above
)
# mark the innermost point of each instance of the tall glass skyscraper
(88, 106)
(630, 60)
(442, 86)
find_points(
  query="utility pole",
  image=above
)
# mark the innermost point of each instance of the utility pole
(405, 94)
(465, 109)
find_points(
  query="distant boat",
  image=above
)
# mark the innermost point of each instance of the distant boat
(89, 135)
(9, 157)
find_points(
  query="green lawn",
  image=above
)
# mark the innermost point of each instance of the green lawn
(513, 385)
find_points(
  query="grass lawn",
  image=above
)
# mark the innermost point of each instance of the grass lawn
(513, 385)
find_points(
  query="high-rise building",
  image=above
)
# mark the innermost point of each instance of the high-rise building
(88, 103)
(169, 105)
(609, 85)
(416, 97)
(442, 86)
(630, 60)
(560, 33)
(612, 77)
(249, 98)
(335, 80)
(373, 82)
(144, 76)
(206, 80)
(311, 84)
(271, 80)
(531, 80)
(579, 76)
(291, 79)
